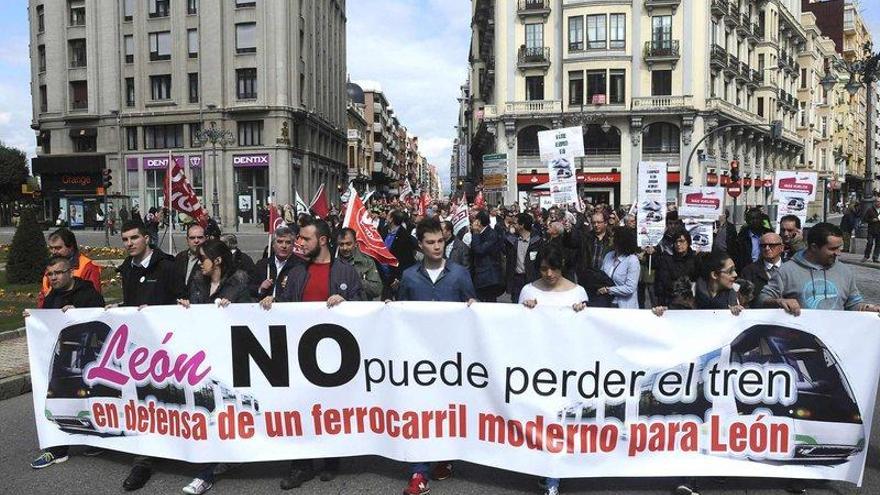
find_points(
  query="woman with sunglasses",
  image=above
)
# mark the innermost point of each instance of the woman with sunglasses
(218, 282)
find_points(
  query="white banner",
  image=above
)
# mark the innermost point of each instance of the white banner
(791, 184)
(604, 392)
(702, 234)
(651, 215)
(702, 202)
(561, 143)
(495, 172)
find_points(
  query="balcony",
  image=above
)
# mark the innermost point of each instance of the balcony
(758, 31)
(732, 16)
(662, 103)
(756, 77)
(849, 25)
(650, 5)
(744, 74)
(537, 57)
(731, 110)
(719, 57)
(523, 108)
(732, 68)
(658, 51)
(720, 7)
(533, 7)
(745, 24)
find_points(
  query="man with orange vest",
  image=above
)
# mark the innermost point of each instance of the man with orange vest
(62, 242)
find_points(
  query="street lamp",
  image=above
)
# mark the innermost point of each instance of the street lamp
(862, 73)
(215, 136)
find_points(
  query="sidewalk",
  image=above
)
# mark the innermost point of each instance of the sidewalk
(15, 378)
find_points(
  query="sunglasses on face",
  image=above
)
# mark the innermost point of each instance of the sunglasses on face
(770, 245)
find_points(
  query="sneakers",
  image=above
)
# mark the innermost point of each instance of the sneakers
(137, 478)
(442, 471)
(297, 474)
(198, 486)
(552, 491)
(418, 485)
(46, 459)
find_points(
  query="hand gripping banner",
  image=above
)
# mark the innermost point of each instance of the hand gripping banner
(545, 391)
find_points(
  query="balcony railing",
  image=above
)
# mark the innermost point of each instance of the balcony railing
(534, 56)
(527, 7)
(732, 110)
(720, 7)
(662, 50)
(651, 103)
(535, 107)
(719, 56)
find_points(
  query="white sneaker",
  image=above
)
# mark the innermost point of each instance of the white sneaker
(552, 491)
(197, 487)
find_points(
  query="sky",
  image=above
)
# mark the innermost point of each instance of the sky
(416, 49)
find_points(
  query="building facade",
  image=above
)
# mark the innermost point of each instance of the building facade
(648, 80)
(118, 84)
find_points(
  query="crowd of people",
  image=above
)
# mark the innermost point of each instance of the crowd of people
(537, 257)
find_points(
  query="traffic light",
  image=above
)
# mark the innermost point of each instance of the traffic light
(108, 179)
(734, 171)
(776, 129)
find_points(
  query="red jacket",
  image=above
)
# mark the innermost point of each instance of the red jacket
(86, 269)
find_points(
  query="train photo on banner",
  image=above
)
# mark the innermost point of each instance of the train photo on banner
(69, 397)
(824, 419)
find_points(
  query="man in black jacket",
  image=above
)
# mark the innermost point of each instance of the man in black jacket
(269, 276)
(746, 250)
(148, 279)
(455, 249)
(760, 272)
(319, 279)
(67, 292)
(186, 263)
(522, 256)
(403, 246)
(872, 218)
(242, 260)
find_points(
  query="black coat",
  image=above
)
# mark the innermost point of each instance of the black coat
(486, 257)
(757, 274)
(258, 275)
(532, 262)
(404, 249)
(82, 295)
(154, 285)
(244, 262)
(741, 252)
(461, 253)
(180, 275)
(233, 287)
(669, 269)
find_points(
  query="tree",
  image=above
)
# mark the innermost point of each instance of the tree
(13, 173)
(28, 254)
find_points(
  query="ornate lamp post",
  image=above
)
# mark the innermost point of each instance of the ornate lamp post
(862, 72)
(215, 136)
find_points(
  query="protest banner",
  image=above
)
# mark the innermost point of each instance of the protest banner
(702, 233)
(651, 212)
(701, 202)
(603, 392)
(495, 172)
(792, 184)
(561, 143)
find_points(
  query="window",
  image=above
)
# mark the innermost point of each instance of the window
(192, 42)
(803, 78)
(128, 41)
(662, 138)
(155, 189)
(192, 7)
(617, 31)
(534, 36)
(596, 35)
(596, 87)
(802, 114)
(661, 83)
(129, 91)
(77, 12)
(46, 142)
(163, 136)
(824, 127)
(197, 181)
(79, 95)
(246, 84)
(41, 19)
(576, 88)
(193, 87)
(160, 45)
(535, 88)
(41, 57)
(77, 52)
(250, 133)
(84, 144)
(617, 86)
(160, 87)
(245, 3)
(44, 99)
(128, 10)
(194, 130)
(246, 37)
(131, 138)
(661, 31)
(575, 33)
(159, 8)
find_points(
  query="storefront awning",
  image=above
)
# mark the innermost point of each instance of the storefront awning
(65, 164)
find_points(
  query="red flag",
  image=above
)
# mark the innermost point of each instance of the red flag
(183, 198)
(368, 238)
(479, 202)
(320, 204)
(423, 204)
(276, 220)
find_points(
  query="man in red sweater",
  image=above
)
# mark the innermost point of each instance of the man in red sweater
(62, 242)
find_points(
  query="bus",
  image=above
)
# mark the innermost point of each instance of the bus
(69, 398)
(825, 419)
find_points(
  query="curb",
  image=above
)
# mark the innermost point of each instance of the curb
(12, 334)
(14, 386)
(875, 266)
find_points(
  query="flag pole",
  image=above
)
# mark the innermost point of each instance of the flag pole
(269, 256)
(168, 198)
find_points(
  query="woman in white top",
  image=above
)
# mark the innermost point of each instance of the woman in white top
(623, 267)
(552, 289)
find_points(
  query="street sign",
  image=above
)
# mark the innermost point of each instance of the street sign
(734, 190)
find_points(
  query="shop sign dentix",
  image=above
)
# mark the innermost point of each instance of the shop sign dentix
(251, 160)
